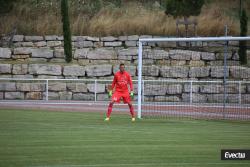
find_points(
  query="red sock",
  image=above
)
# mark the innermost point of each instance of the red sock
(132, 111)
(109, 109)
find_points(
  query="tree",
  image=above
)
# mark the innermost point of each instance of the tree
(6, 6)
(118, 3)
(66, 30)
(243, 32)
(183, 8)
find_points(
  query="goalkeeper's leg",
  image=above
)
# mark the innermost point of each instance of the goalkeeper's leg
(110, 107)
(127, 99)
(131, 109)
(115, 98)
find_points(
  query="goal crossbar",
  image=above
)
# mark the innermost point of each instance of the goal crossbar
(197, 39)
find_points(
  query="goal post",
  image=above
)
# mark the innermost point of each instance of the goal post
(197, 39)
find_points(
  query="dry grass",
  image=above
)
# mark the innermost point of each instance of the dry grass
(128, 20)
(212, 22)
(31, 21)
(133, 20)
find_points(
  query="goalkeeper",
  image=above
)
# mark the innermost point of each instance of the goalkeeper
(120, 84)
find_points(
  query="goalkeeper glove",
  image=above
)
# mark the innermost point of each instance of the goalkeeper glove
(110, 93)
(132, 94)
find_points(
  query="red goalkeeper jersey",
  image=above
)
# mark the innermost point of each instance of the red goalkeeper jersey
(121, 81)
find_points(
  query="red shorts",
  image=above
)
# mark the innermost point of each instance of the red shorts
(117, 96)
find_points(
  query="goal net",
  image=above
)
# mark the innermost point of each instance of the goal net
(192, 78)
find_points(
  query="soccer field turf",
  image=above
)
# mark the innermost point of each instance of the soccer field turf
(75, 139)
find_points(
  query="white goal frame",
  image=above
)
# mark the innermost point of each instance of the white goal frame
(198, 39)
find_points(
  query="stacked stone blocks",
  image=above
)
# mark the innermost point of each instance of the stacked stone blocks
(42, 57)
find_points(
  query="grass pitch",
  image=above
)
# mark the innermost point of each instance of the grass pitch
(74, 139)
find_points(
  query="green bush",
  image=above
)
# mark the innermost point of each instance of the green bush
(6, 6)
(66, 31)
(243, 32)
(183, 8)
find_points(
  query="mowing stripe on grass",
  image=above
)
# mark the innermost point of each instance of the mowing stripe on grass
(148, 164)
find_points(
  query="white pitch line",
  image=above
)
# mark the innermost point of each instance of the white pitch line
(148, 164)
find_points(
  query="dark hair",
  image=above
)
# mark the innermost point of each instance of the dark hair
(122, 64)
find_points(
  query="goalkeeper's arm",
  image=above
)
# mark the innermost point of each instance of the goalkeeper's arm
(131, 87)
(110, 93)
(132, 94)
(111, 87)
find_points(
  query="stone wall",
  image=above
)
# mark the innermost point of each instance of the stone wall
(237, 93)
(42, 57)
